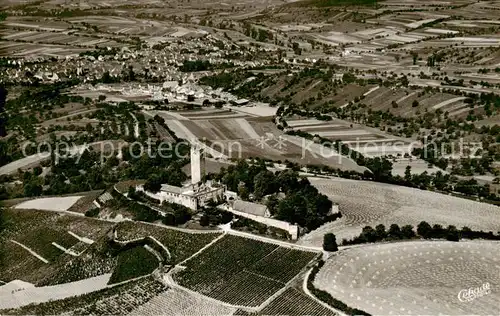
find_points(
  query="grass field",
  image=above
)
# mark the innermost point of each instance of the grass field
(364, 203)
(242, 271)
(419, 277)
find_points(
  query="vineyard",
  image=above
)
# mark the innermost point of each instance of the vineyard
(293, 302)
(133, 263)
(180, 244)
(118, 300)
(98, 259)
(242, 271)
(33, 243)
(178, 302)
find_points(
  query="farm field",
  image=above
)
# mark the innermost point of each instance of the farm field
(365, 203)
(40, 246)
(417, 278)
(25, 294)
(58, 204)
(418, 166)
(117, 300)
(241, 271)
(133, 263)
(293, 302)
(238, 135)
(365, 140)
(38, 238)
(178, 302)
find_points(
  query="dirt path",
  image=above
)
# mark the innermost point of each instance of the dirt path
(15, 296)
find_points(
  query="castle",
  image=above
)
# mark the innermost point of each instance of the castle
(194, 194)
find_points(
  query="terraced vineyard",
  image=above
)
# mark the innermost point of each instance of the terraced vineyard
(118, 300)
(242, 271)
(33, 247)
(419, 277)
(180, 244)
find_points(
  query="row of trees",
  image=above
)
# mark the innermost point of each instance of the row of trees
(424, 230)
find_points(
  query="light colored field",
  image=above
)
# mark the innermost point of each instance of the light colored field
(365, 203)
(418, 166)
(414, 278)
(447, 102)
(296, 123)
(178, 302)
(58, 204)
(257, 110)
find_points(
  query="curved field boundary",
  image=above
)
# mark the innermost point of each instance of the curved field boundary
(306, 290)
(415, 277)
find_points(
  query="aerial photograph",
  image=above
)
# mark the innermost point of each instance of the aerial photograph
(250, 157)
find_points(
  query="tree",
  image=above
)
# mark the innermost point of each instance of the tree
(414, 57)
(452, 233)
(153, 184)
(330, 242)
(394, 231)
(369, 234)
(424, 229)
(407, 232)
(263, 184)
(32, 189)
(408, 174)
(438, 231)
(3, 100)
(204, 220)
(243, 192)
(380, 231)
(414, 103)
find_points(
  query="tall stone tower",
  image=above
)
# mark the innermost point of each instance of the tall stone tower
(195, 164)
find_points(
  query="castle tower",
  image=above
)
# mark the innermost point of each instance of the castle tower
(195, 164)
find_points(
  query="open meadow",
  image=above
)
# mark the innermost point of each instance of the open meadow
(414, 278)
(364, 203)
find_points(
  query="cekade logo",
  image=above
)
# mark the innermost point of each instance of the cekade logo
(471, 294)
